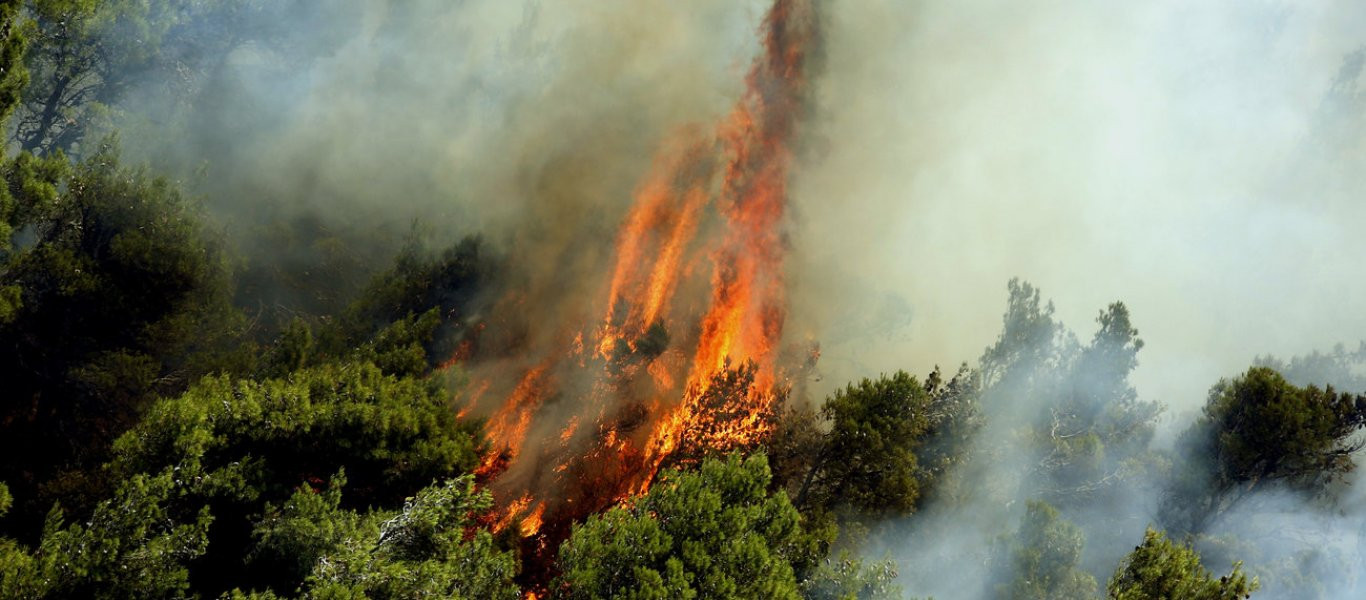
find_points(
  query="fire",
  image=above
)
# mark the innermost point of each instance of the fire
(516, 507)
(684, 357)
(651, 246)
(508, 427)
(532, 523)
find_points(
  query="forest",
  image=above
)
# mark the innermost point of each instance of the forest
(421, 299)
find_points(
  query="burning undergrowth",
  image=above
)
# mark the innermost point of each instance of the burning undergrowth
(681, 353)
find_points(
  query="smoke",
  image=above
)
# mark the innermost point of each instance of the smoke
(1200, 163)
(548, 128)
(525, 122)
(1191, 161)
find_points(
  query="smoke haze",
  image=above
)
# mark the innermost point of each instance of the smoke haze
(1192, 161)
(1200, 162)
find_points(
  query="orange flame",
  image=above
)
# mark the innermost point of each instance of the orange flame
(507, 428)
(637, 397)
(532, 523)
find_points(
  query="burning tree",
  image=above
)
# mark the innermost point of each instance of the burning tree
(684, 362)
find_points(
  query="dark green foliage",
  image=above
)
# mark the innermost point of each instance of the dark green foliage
(390, 434)
(1043, 559)
(710, 533)
(869, 459)
(249, 443)
(954, 422)
(1162, 570)
(291, 537)
(85, 52)
(294, 349)
(1258, 429)
(121, 295)
(13, 75)
(423, 551)
(306, 266)
(849, 578)
(1262, 428)
(793, 448)
(401, 348)
(416, 284)
(134, 545)
(407, 319)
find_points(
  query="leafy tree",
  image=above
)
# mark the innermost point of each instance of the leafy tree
(955, 420)
(13, 78)
(710, 533)
(1043, 559)
(423, 551)
(132, 546)
(290, 538)
(1098, 432)
(868, 460)
(305, 266)
(1256, 430)
(428, 549)
(1066, 408)
(416, 284)
(1162, 570)
(850, 578)
(793, 448)
(390, 434)
(91, 59)
(249, 443)
(84, 54)
(118, 293)
(408, 319)
(401, 348)
(1031, 348)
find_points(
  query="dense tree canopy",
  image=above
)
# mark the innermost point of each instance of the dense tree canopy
(133, 545)
(421, 551)
(712, 533)
(1160, 569)
(1043, 557)
(118, 293)
(1259, 430)
(883, 443)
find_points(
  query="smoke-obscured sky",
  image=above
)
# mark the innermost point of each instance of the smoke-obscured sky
(1178, 156)
(1181, 157)
(1202, 162)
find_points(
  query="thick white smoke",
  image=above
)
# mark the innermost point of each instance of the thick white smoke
(1185, 158)
(1202, 162)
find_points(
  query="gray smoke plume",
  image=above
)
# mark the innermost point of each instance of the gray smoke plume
(1201, 162)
